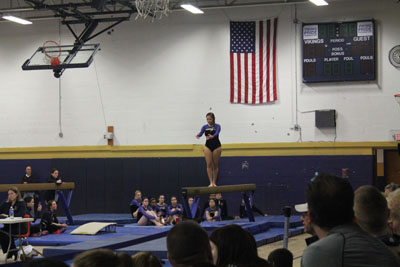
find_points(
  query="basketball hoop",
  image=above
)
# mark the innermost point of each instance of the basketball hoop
(52, 51)
(397, 97)
(154, 8)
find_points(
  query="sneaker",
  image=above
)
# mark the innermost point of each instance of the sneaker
(45, 232)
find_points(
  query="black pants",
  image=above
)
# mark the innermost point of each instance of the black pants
(52, 228)
(5, 239)
(35, 228)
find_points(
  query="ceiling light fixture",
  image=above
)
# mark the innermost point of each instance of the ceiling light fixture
(192, 8)
(319, 2)
(16, 19)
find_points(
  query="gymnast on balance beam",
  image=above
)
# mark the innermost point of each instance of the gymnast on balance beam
(213, 149)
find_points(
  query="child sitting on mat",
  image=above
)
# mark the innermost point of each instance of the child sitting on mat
(213, 212)
(175, 211)
(147, 215)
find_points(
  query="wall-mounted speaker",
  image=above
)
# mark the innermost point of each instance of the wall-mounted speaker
(325, 118)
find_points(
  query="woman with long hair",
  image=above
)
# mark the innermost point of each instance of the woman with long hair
(18, 206)
(212, 149)
(234, 246)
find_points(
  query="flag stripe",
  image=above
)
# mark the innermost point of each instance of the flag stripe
(268, 58)
(260, 47)
(274, 53)
(246, 74)
(232, 78)
(235, 79)
(239, 75)
(253, 76)
(243, 78)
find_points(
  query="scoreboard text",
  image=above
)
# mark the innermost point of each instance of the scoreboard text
(339, 51)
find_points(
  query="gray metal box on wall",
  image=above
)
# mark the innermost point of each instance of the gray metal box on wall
(325, 118)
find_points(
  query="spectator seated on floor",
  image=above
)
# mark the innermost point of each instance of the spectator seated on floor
(146, 215)
(135, 204)
(188, 245)
(35, 227)
(197, 216)
(213, 212)
(49, 220)
(102, 258)
(146, 259)
(206, 204)
(155, 208)
(162, 206)
(341, 242)
(234, 246)
(175, 211)
(222, 204)
(372, 215)
(281, 257)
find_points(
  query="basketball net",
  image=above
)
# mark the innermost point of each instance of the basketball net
(154, 8)
(52, 52)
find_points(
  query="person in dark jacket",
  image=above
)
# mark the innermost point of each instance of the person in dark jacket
(49, 220)
(29, 178)
(54, 178)
(15, 201)
(35, 214)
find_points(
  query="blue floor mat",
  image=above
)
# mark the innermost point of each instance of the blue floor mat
(66, 238)
(260, 225)
(265, 230)
(262, 229)
(158, 247)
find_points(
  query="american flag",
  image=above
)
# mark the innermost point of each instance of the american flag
(253, 61)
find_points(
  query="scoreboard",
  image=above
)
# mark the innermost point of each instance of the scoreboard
(339, 51)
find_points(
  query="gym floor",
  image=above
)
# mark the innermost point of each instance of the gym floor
(296, 245)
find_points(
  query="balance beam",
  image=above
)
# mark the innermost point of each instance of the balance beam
(38, 186)
(196, 191)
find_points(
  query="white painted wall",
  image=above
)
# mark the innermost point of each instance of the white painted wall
(158, 80)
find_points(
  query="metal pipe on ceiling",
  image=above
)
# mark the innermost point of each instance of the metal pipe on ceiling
(233, 4)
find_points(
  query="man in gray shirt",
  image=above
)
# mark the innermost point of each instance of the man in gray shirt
(342, 242)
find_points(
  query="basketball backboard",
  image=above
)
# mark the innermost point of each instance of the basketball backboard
(60, 57)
